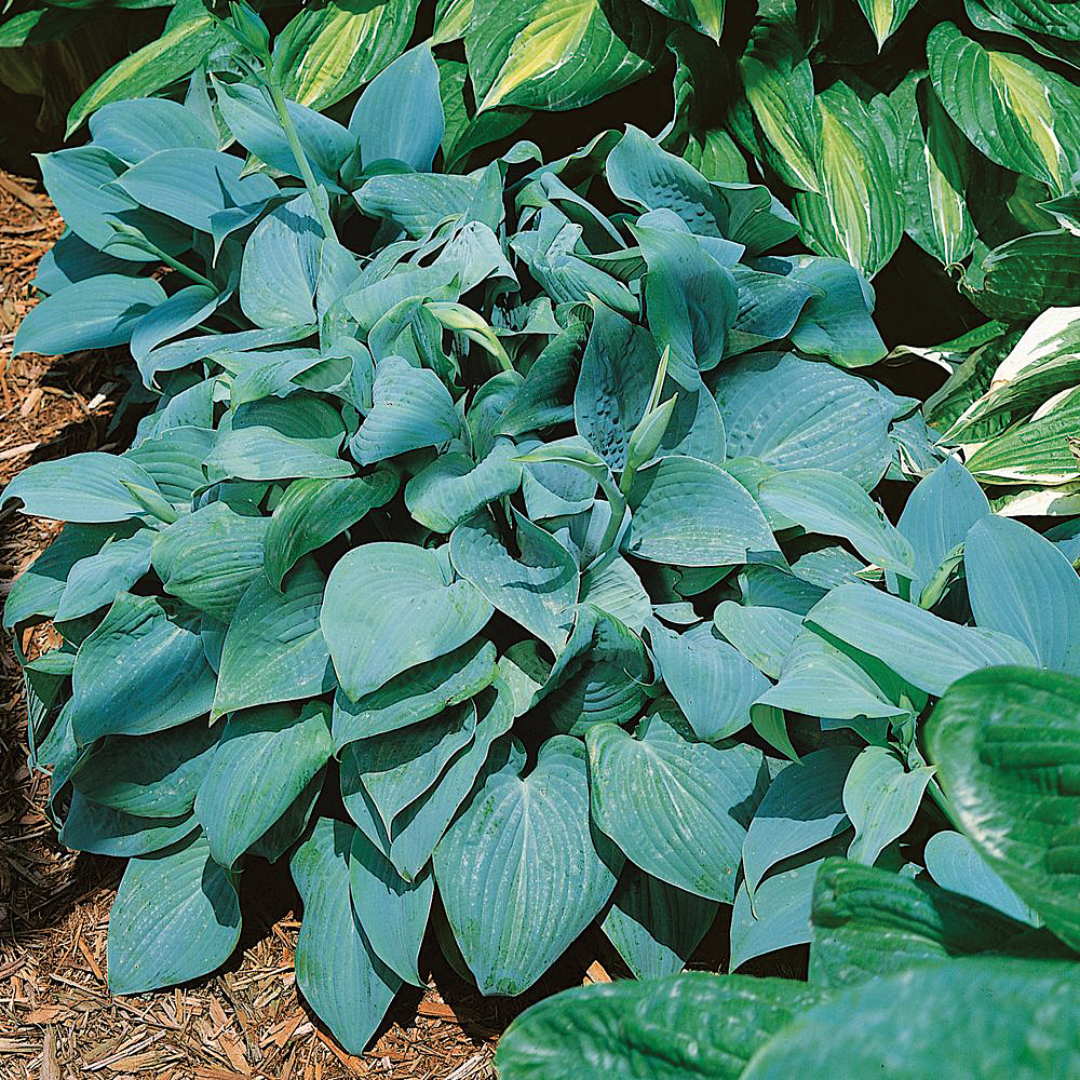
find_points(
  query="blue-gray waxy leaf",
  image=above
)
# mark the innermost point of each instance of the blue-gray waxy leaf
(336, 968)
(392, 606)
(141, 670)
(663, 783)
(176, 917)
(264, 761)
(518, 894)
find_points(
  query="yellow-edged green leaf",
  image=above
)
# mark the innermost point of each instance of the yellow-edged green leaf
(1019, 114)
(327, 52)
(779, 86)
(558, 54)
(1034, 451)
(170, 57)
(452, 19)
(858, 215)
(935, 171)
(705, 16)
(885, 16)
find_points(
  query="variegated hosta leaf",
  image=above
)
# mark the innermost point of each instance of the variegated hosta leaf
(935, 171)
(779, 87)
(858, 215)
(557, 54)
(327, 51)
(885, 16)
(1019, 114)
(705, 16)
(1023, 277)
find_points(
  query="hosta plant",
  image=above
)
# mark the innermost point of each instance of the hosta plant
(955, 935)
(506, 534)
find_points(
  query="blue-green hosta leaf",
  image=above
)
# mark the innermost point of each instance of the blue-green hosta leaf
(893, 1024)
(176, 917)
(769, 586)
(392, 912)
(72, 259)
(557, 55)
(777, 918)
(250, 116)
(538, 590)
(601, 676)
(274, 649)
(285, 832)
(182, 311)
(40, 587)
(326, 52)
(802, 808)
(1004, 743)
(389, 772)
(885, 17)
(1020, 584)
(92, 314)
(192, 185)
(148, 775)
(210, 557)
(692, 513)
(614, 586)
(954, 863)
(95, 581)
(652, 1029)
(936, 164)
(522, 872)
(712, 683)
(837, 320)
(142, 670)
(881, 799)
(654, 926)
(858, 215)
(820, 679)
(80, 184)
(400, 115)
(265, 760)
(1018, 113)
(677, 807)
(417, 202)
(312, 512)
(453, 488)
(617, 372)
(641, 173)
(937, 516)
(392, 606)
(135, 129)
(174, 457)
(835, 505)
(769, 307)
(420, 692)
(417, 830)
(412, 409)
(337, 970)
(281, 267)
(691, 301)
(797, 414)
(928, 652)
(764, 635)
(101, 830)
(261, 453)
(869, 923)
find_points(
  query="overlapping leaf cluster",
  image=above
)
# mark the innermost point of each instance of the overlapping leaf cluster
(504, 534)
(890, 953)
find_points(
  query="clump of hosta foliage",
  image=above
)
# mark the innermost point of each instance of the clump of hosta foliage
(987, 935)
(506, 534)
